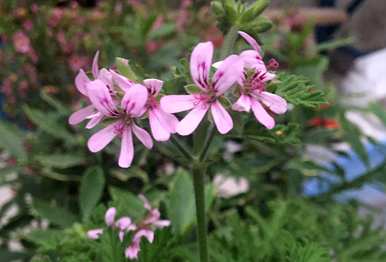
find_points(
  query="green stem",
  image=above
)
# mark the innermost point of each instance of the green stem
(208, 141)
(199, 192)
(199, 165)
(181, 148)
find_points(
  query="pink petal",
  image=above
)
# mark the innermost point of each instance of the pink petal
(251, 41)
(274, 102)
(134, 100)
(162, 124)
(252, 59)
(148, 234)
(94, 233)
(126, 154)
(161, 223)
(146, 203)
(95, 69)
(200, 63)
(230, 70)
(95, 120)
(106, 77)
(242, 104)
(121, 81)
(268, 76)
(102, 138)
(153, 85)
(121, 235)
(262, 116)
(153, 216)
(81, 81)
(100, 97)
(192, 119)
(177, 103)
(123, 223)
(80, 115)
(142, 136)
(132, 251)
(221, 118)
(217, 64)
(110, 216)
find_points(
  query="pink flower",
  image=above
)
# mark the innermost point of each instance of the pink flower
(94, 233)
(21, 42)
(162, 124)
(132, 106)
(124, 224)
(55, 17)
(77, 62)
(145, 230)
(253, 95)
(28, 25)
(81, 82)
(211, 90)
(110, 216)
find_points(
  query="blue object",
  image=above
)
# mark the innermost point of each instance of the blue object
(354, 168)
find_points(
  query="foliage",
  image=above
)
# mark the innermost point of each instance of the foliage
(62, 191)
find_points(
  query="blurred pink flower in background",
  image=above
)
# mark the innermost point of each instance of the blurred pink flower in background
(31, 73)
(27, 25)
(34, 8)
(65, 45)
(158, 23)
(77, 62)
(21, 42)
(55, 17)
(183, 14)
(227, 187)
(23, 88)
(6, 89)
(152, 46)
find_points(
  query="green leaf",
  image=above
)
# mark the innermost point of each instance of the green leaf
(280, 134)
(217, 8)
(379, 111)
(46, 239)
(47, 123)
(60, 160)
(353, 135)
(58, 105)
(163, 31)
(127, 203)
(91, 190)
(11, 140)
(298, 91)
(56, 215)
(192, 89)
(125, 69)
(254, 10)
(181, 205)
(7, 255)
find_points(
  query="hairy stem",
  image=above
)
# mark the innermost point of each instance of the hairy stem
(181, 148)
(198, 171)
(199, 165)
(208, 141)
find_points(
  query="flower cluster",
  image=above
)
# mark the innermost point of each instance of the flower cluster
(115, 97)
(143, 229)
